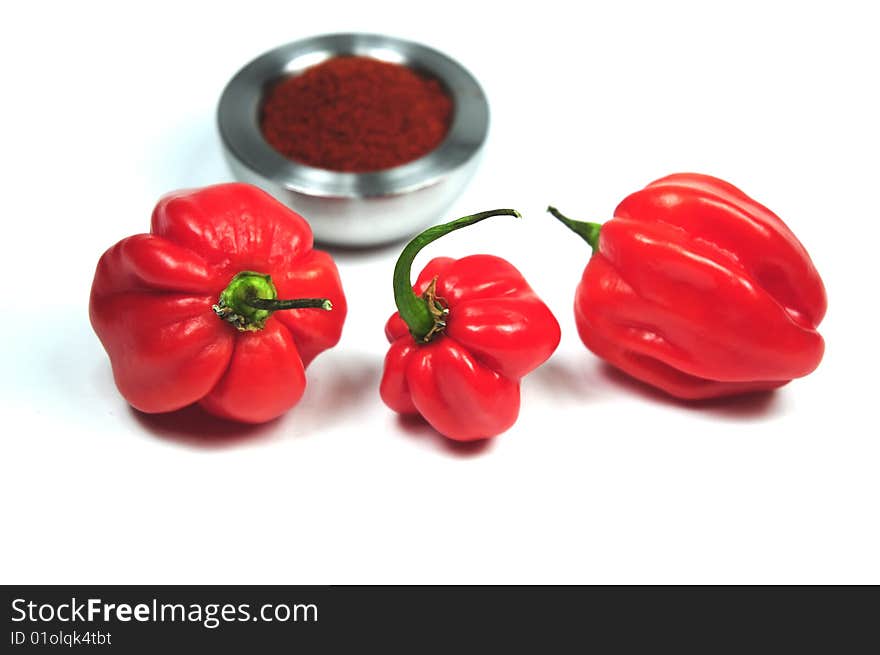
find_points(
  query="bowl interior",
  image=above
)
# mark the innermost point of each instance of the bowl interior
(238, 117)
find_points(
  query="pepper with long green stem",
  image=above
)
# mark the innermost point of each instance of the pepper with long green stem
(462, 338)
(424, 314)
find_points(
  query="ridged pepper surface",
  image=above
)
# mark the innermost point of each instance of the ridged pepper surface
(464, 336)
(696, 289)
(189, 313)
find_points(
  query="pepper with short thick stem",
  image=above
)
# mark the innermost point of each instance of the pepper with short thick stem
(589, 232)
(698, 290)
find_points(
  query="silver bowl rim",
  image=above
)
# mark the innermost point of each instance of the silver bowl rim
(237, 117)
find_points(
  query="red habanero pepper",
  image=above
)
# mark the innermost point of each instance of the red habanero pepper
(696, 289)
(189, 313)
(462, 339)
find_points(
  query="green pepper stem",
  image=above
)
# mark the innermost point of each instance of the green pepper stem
(250, 298)
(421, 319)
(589, 232)
(298, 303)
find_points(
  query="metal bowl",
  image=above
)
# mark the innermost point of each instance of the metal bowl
(356, 209)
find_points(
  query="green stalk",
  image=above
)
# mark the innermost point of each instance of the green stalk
(250, 298)
(298, 303)
(423, 314)
(589, 232)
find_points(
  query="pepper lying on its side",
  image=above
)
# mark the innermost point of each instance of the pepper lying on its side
(463, 337)
(190, 312)
(697, 289)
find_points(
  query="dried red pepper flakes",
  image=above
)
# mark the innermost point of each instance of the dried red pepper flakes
(462, 338)
(356, 114)
(700, 291)
(190, 313)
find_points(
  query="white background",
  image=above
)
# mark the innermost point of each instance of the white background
(107, 107)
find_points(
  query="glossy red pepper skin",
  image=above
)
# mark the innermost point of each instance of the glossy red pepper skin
(152, 297)
(700, 291)
(466, 381)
